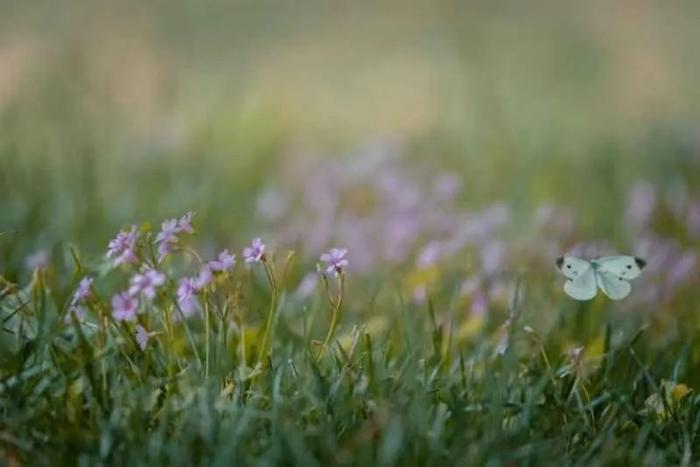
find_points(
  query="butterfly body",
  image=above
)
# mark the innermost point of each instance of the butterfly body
(610, 274)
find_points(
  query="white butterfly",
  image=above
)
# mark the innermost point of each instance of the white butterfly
(609, 274)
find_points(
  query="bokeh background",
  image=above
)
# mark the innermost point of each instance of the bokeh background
(502, 133)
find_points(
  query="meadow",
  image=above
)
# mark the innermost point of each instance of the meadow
(266, 233)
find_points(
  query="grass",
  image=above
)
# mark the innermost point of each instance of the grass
(412, 394)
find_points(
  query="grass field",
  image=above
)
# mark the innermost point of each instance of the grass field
(455, 151)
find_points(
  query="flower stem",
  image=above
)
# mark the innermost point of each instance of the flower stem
(270, 273)
(335, 311)
(206, 335)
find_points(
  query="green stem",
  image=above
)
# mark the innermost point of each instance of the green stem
(268, 328)
(206, 335)
(335, 306)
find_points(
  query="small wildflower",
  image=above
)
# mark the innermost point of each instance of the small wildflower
(146, 283)
(254, 253)
(335, 260)
(224, 262)
(83, 291)
(123, 247)
(38, 260)
(204, 278)
(169, 231)
(124, 306)
(186, 290)
(184, 224)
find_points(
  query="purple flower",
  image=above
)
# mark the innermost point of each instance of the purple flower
(123, 247)
(186, 290)
(83, 291)
(165, 248)
(168, 231)
(223, 263)
(143, 336)
(124, 307)
(146, 282)
(38, 260)
(254, 253)
(335, 260)
(204, 278)
(167, 238)
(184, 224)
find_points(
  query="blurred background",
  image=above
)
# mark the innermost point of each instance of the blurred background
(405, 131)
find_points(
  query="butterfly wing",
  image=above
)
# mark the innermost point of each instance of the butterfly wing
(615, 287)
(581, 283)
(583, 287)
(626, 267)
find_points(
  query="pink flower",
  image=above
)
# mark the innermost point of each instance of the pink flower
(254, 253)
(146, 283)
(223, 263)
(335, 260)
(124, 307)
(123, 247)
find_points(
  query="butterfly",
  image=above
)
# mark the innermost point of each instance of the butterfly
(609, 274)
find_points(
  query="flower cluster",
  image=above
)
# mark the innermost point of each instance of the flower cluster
(122, 249)
(171, 229)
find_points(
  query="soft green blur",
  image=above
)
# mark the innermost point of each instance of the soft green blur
(123, 112)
